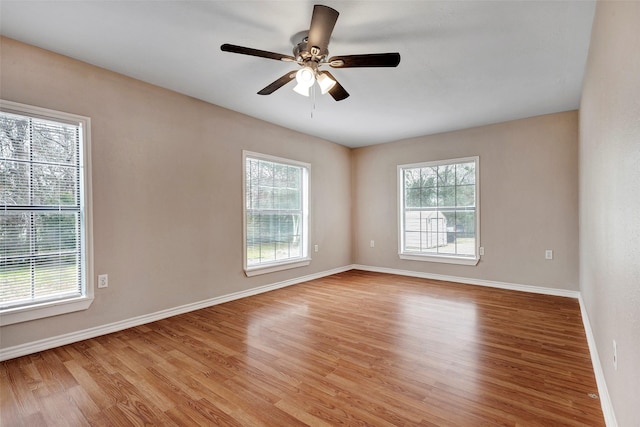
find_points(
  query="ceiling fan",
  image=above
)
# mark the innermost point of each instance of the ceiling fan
(311, 54)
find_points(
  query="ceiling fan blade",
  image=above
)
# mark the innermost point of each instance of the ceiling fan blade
(322, 22)
(278, 83)
(366, 60)
(256, 52)
(337, 91)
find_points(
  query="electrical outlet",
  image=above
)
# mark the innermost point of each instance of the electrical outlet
(103, 280)
(315, 248)
(548, 254)
(615, 355)
(372, 244)
(481, 251)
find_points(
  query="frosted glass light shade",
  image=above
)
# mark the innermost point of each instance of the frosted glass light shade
(326, 83)
(301, 89)
(305, 78)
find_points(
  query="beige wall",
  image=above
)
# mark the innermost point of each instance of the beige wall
(167, 189)
(610, 199)
(529, 200)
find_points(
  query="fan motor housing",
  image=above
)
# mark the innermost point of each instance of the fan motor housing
(303, 53)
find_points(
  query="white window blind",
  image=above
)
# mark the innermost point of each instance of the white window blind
(42, 257)
(439, 210)
(276, 212)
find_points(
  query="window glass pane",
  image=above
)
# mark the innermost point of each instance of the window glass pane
(266, 252)
(56, 232)
(411, 178)
(466, 173)
(287, 198)
(15, 281)
(55, 275)
(280, 175)
(54, 142)
(466, 246)
(14, 183)
(420, 188)
(429, 177)
(265, 197)
(412, 220)
(412, 241)
(295, 199)
(14, 136)
(253, 254)
(466, 223)
(446, 175)
(447, 247)
(251, 189)
(446, 196)
(253, 238)
(54, 185)
(412, 197)
(283, 249)
(266, 173)
(433, 229)
(429, 197)
(15, 237)
(466, 195)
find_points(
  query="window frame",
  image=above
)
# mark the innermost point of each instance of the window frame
(305, 258)
(39, 310)
(431, 257)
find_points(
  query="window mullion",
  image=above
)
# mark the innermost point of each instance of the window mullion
(437, 207)
(455, 206)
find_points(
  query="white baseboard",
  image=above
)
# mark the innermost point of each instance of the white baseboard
(603, 392)
(60, 340)
(470, 281)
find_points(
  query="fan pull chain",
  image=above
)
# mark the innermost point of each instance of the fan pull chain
(313, 99)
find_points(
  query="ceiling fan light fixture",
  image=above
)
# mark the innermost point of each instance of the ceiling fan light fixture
(311, 53)
(326, 83)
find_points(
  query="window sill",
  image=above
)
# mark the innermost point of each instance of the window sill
(39, 311)
(270, 268)
(441, 259)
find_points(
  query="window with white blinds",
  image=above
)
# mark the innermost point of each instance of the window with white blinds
(275, 213)
(43, 257)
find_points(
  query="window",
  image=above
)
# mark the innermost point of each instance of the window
(44, 219)
(439, 214)
(276, 214)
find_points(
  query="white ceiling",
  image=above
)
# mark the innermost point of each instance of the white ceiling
(464, 63)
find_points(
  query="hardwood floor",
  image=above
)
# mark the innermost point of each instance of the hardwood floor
(356, 348)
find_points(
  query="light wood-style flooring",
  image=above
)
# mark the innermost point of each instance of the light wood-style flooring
(355, 348)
